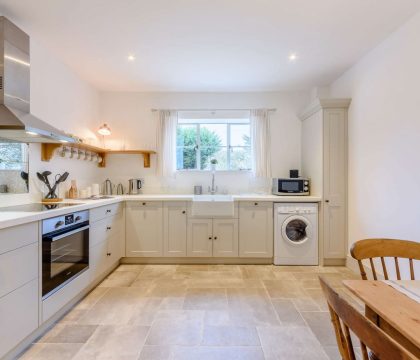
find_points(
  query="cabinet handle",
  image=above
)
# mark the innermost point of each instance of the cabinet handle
(108, 227)
(215, 238)
(255, 204)
(108, 210)
(183, 211)
(327, 201)
(143, 204)
(210, 237)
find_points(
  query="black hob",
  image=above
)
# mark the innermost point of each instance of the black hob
(35, 207)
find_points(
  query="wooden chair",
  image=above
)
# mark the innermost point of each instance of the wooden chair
(382, 248)
(374, 343)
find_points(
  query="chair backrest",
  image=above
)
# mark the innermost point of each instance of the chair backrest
(346, 318)
(383, 248)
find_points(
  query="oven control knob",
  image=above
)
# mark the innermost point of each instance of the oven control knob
(305, 183)
(306, 188)
(78, 218)
(58, 224)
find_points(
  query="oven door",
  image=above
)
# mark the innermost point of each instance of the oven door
(65, 254)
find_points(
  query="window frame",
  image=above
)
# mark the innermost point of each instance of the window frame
(198, 124)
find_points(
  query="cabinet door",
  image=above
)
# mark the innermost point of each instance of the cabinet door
(225, 238)
(98, 259)
(200, 237)
(116, 239)
(256, 229)
(144, 229)
(175, 228)
(335, 184)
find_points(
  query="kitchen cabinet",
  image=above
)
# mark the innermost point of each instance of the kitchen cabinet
(19, 284)
(144, 229)
(225, 238)
(324, 161)
(200, 237)
(256, 232)
(175, 228)
(107, 245)
(212, 237)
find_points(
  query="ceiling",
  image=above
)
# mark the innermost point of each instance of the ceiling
(209, 45)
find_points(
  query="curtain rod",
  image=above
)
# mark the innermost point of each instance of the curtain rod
(154, 110)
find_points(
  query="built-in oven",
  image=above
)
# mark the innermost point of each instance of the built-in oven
(65, 250)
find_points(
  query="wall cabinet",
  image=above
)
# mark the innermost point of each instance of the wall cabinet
(212, 237)
(324, 160)
(175, 229)
(144, 229)
(256, 229)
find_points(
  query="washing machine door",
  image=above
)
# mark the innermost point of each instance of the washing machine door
(296, 230)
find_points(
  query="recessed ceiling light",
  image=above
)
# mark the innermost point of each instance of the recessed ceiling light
(131, 58)
(64, 141)
(33, 133)
(293, 57)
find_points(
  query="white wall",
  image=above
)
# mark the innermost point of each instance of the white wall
(384, 138)
(61, 98)
(134, 126)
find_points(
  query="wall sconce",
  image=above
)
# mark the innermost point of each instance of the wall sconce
(104, 130)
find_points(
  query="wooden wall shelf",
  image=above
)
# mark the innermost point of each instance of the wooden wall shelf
(47, 152)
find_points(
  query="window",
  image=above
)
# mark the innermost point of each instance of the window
(221, 135)
(13, 156)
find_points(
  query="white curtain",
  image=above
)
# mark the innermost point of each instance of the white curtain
(260, 135)
(166, 142)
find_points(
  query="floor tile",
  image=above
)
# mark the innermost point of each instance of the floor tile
(51, 352)
(290, 342)
(155, 352)
(119, 279)
(174, 332)
(318, 322)
(287, 312)
(205, 299)
(230, 336)
(218, 353)
(113, 342)
(71, 334)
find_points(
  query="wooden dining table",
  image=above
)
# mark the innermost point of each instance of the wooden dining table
(394, 306)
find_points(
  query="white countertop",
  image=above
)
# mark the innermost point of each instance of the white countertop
(13, 218)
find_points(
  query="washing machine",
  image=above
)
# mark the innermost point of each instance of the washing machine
(296, 234)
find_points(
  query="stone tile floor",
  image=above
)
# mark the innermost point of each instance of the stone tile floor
(206, 312)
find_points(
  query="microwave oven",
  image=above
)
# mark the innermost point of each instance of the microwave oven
(290, 186)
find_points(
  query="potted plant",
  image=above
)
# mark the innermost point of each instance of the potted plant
(213, 163)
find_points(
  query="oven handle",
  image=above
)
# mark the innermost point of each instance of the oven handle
(69, 233)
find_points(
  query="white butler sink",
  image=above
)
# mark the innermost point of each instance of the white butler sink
(212, 205)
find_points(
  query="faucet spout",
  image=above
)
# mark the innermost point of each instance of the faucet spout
(213, 188)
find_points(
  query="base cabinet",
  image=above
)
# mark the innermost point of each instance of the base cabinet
(175, 229)
(144, 229)
(212, 238)
(256, 233)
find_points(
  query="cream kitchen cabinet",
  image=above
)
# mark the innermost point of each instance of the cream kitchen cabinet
(107, 243)
(212, 238)
(144, 229)
(175, 229)
(19, 284)
(256, 232)
(324, 161)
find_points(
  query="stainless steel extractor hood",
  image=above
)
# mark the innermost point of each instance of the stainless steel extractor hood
(16, 121)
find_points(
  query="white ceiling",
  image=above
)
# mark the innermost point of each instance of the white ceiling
(209, 45)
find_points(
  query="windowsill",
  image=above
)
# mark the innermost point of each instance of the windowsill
(217, 171)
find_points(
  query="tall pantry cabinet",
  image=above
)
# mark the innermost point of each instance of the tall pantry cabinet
(324, 161)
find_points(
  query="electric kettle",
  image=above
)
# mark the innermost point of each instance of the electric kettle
(134, 186)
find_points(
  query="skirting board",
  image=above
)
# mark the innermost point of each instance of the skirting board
(24, 344)
(334, 262)
(191, 260)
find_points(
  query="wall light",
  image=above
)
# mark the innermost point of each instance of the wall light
(104, 130)
(293, 57)
(131, 58)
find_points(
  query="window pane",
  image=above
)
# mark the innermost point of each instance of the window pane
(186, 151)
(214, 134)
(240, 135)
(240, 158)
(186, 157)
(208, 154)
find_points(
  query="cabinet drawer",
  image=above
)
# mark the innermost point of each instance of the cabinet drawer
(148, 204)
(18, 267)
(102, 229)
(259, 204)
(104, 211)
(18, 236)
(19, 310)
